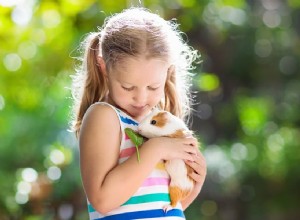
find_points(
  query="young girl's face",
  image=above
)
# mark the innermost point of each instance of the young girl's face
(137, 85)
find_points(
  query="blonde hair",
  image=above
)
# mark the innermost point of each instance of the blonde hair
(135, 32)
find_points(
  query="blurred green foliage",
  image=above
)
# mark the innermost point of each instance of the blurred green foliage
(247, 102)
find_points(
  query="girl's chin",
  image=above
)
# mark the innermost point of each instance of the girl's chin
(138, 114)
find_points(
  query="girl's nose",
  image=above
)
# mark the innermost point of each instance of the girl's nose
(140, 97)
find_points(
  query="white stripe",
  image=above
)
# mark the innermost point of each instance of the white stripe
(94, 215)
(150, 189)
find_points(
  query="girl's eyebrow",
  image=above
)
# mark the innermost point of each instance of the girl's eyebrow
(131, 84)
(151, 85)
(123, 82)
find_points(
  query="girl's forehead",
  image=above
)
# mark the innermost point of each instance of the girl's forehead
(138, 69)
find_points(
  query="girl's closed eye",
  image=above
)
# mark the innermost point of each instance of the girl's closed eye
(128, 88)
(153, 88)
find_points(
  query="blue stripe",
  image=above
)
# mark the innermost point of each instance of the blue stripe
(128, 120)
(156, 213)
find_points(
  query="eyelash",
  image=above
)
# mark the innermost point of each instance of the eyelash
(127, 89)
(153, 89)
(131, 88)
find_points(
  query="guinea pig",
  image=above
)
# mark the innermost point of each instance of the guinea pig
(162, 123)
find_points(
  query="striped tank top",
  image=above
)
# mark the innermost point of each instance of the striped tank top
(148, 201)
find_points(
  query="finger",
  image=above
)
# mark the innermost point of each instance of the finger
(191, 141)
(195, 166)
(197, 159)
(197, 177)
(198, 165)
(191, 150)
(188, 157)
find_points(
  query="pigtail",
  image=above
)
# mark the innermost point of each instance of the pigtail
(95, 87)
(171, 102)
(177, 95)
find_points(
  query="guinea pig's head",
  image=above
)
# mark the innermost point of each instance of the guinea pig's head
(160, 123)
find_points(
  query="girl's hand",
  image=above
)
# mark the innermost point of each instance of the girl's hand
(199, 174)
(175, 148)
(199, 167)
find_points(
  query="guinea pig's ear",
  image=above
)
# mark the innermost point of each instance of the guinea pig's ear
(160, 119)
(163, 114)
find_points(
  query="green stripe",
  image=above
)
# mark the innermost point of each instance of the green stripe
(90, 208)
(165, 197)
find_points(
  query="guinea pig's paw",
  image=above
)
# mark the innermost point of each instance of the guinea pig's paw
(167, 208)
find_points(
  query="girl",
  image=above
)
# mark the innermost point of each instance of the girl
(136, 62)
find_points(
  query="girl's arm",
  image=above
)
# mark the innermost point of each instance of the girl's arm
(199, 174)
(107, 184)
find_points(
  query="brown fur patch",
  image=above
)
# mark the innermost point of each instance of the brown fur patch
(177, 134)
(177, 194)
(161, 119)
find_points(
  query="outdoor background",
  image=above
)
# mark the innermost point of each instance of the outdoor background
(247, 104)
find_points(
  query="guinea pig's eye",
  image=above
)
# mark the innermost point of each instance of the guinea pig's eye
(153, 122)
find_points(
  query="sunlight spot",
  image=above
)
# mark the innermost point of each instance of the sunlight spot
(288, 65)
(270, 4)
(57, 157)
(54, 173)
(27, 50)
(226, 170)
(22, 14)
(65, 211)
(239, 151)
(51, 18)
(215, 156)
(209, 208)
(270, 127)
(275, 142)
(233, 15)
(38, 36)
(24, 187)
(271, 19)
(29, 175)
(9, 3)
(21, 198)
(204, 111)
(218, 163)
(2, 102)
(208, 82)
(263, 48)
(12, 62)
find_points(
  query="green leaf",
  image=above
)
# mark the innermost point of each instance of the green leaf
(136, 138)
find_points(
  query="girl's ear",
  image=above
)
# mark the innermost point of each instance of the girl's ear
(102, 65)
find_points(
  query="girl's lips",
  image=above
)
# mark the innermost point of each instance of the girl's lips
(139, 107)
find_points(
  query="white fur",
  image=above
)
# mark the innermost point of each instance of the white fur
(178, 173)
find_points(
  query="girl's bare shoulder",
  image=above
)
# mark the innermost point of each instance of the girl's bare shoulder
(99, 117)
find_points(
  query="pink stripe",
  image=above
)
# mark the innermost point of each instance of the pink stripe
(127, 152)
(156, 181)
(126, 137)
